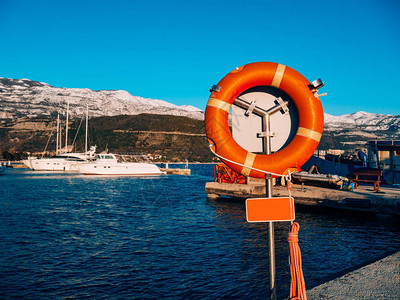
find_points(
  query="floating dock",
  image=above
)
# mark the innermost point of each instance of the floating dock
(184, 171)
(363, 198)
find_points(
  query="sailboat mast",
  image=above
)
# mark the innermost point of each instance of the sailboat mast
(66, 129)
(58, 131)
(86, 132)
(60, 137)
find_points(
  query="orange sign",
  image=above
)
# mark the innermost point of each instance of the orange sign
(270, 209)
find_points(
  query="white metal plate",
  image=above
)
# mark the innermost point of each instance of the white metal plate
(246, 128)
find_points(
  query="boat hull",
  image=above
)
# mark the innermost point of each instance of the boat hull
(66, 162)
(132, 169)
(51, 164)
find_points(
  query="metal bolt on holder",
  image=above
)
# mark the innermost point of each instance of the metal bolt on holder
(215, 88)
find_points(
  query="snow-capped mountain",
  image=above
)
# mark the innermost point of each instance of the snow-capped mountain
(364, 120)
(354, 130)
(24, 97)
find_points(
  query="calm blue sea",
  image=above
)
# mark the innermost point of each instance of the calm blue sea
(73, 236)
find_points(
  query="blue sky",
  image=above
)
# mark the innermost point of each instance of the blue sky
(175, 50)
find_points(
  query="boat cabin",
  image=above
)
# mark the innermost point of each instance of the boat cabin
(106, 157)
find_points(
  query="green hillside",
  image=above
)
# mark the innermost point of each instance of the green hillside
(171, 138)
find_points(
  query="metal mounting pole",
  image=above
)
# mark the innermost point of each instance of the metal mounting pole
(271, 240)
(268, 190)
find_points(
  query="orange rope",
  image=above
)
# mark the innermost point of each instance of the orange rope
(297, 285)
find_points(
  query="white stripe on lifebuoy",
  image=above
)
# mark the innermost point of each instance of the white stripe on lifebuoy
(219, 104)
(249, 161)
(309, 133)
(280, 70)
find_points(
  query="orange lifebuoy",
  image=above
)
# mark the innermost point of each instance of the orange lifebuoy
(291, 157)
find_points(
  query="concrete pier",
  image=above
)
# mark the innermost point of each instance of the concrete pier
(363, 198)
(379, 280)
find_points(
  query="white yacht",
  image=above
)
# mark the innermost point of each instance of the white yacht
(62, 162)
(108, 164)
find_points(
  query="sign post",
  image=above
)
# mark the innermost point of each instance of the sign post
(272, 287)
(271, 231)
(266, 134)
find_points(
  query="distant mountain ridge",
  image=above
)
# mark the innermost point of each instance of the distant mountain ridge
(365, 120)
(24, 97)
(352, 131)
(28, 98)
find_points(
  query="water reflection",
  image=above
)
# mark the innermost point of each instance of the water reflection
(330, 242)
(159, 237)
